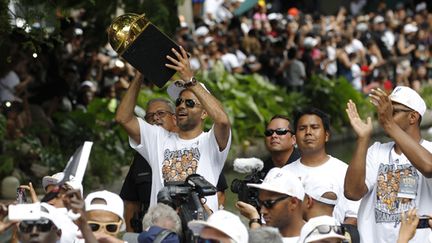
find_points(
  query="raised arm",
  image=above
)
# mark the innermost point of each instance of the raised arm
(408, 143)
(125, 112)
(355, 187)
(213, 107)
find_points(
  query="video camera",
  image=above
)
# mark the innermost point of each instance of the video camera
(252, 167)
(185, 197)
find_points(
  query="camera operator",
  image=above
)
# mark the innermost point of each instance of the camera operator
(172, 156)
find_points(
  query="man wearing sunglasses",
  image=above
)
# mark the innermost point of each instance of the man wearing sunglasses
(191, 150)
(280, 198)
(43, 230)
(312, 133)
(279, 141)
(390, 178)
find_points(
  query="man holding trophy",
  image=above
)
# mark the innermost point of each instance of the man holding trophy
(173, 156)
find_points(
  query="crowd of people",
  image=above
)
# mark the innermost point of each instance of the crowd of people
(305, 195)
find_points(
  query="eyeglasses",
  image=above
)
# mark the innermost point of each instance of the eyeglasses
(325, 229)
(43, 225)
(395, 111)
(270, 203)
(149, 117)
(279, 131)
(112, 227)
(190, 103)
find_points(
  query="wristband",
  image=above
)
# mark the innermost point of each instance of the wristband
(254, 220)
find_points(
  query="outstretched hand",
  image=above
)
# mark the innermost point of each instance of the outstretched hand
(361, 128)
(383, 104)
(181, 64)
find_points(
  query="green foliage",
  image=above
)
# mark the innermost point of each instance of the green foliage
(426, 93)
(110, 149)
(332, 95)
(250, 101)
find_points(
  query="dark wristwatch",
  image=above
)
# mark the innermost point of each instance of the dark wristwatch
(191, 82)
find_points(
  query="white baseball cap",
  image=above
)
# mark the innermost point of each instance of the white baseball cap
(224, 221)
(309, 232)
(54, 214)
(378, 19)
(57, 177)
(409, 98)
(201, 31)
(113, 204)
(317, 185)
(310, 42)
(176, 88)
(281, 181)
(410, 28)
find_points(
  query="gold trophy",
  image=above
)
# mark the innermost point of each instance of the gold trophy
(143, 45)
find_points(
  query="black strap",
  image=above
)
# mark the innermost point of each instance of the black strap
(162, 235)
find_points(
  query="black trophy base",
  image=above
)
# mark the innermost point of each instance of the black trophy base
(148, 54)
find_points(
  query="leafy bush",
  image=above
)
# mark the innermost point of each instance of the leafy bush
(332, 95)
(426, 93)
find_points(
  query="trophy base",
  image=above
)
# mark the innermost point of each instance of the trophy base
(148, 55)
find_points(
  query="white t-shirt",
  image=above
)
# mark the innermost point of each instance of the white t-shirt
(173, 159)
(337, 170)
(290, 239)
(230, 61)
(394, 186)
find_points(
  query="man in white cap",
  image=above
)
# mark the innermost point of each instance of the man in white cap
(321, 196)
(322, 229)
(222, 226)
(49, 183)
(174, 156)
(46, 229)
(104, 212)
(392, 177)
(280, 199)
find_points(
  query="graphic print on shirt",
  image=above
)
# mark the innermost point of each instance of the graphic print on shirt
(396, 190)
(179, 164)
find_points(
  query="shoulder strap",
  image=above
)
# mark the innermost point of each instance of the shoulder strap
(162, 235)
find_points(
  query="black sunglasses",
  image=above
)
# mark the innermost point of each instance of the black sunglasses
(279, 131)
(190, 103)
(325, 229)
(395, 111)
(44, 225)
(270, 203)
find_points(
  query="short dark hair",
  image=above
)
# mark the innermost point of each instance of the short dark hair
(279, 116)
(325, 118)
